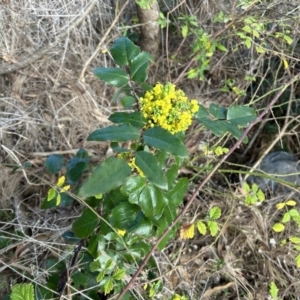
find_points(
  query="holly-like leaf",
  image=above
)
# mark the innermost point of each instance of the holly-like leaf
(152, 202)
(123, 51)
(172, 174)
(162, 139)
(241, 115)
(139, 67)
(121, 133)
(85, 224)
(54, 163)
(215, 126)
(75, 168)
(219, 112)
(123, 215)
(114, 76)
(109, 175)
(151, 169)
(128, 101)
(133, 187)
(176, 195)
(135, 119)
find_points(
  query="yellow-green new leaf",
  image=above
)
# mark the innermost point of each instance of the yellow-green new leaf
(273, 290)
(295, 239)
(213, 227)
(215, 213)
(201, 227)
(278, 227)
(51, 194)
(108, 287)
(291, 203)
(118, 274)
(297, 260)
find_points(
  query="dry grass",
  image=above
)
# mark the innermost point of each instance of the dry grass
(52, 101)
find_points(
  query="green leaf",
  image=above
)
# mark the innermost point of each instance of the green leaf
(118, 274)
(133, 187)
(286, 218)
(162, 139)
(152, 202)
(85, 224)
(151, 169)
(278, 227)
(75, 168)
(201, 227)
(213, 227)
(295, 239)
(139, 66)
(123, 51)
(214, 126)
(293, 212)
(51, 194)
(114, 76)
(241, 115)
(260, 195)
(202, 112)
(215, 213)
(124, 215)
(64, 201)
(297, 260)
(127, 101)
(221, 47)
(172, 174)
(109, 285)
(167, 218)
(135, 119)
(219, 112)
(23, 291)
(234, 130)
(82, 153)
(176, 195)
(54, 163)
(109, 175)
(273, 290)
(121, 133)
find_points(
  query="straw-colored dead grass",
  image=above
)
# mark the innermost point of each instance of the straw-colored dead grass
(51, 102)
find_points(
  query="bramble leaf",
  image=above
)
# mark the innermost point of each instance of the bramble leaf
(201, 227)
(22, 291)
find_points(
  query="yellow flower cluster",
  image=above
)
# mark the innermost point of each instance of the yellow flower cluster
(133, 166)
(131, 162)
(168, 108)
